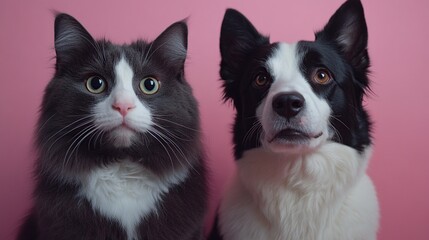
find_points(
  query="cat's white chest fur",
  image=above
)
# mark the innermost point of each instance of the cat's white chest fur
(127, 192)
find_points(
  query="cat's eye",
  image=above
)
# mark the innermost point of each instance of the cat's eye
(96, 84)
(322, 76)
(261, 80)
(149, 85)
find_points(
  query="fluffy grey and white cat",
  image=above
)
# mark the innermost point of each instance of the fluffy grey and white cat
(119, 152)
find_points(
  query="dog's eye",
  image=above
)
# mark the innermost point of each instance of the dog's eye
(322, 76)
(261, 80)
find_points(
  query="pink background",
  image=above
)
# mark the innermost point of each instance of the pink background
(398, 45)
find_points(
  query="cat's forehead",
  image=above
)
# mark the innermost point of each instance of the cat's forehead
(110, 54)
(144, 59)
(115, 52)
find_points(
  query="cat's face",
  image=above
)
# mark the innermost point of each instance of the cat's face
(121, 113)
(111, 101)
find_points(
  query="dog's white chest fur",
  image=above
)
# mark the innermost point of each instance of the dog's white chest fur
(126, 192)
(323, 195)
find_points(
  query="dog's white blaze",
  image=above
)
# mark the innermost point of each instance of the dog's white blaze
(127, 192)
(287, 77)
(139, 119)
(283, 66)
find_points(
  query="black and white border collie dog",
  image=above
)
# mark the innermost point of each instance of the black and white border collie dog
(302, 137)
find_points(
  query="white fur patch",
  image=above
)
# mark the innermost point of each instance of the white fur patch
(122, 129)
(127, 192)
(320, 195)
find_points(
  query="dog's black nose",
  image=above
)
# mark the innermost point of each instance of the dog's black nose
(289, 104)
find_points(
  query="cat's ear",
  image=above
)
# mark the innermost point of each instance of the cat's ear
(347, 30)
(238, 39)
(172, 44)
(71, 39)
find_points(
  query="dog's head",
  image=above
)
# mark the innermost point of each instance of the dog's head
(295, 97)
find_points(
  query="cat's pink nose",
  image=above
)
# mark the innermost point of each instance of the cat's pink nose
(123, 107)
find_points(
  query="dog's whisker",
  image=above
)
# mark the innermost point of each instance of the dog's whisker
(339, 120)
(254, 129)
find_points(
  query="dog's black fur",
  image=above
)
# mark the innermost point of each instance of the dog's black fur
(341, 47)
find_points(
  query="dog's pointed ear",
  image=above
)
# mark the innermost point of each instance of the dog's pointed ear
(238, 39)
(347, 29)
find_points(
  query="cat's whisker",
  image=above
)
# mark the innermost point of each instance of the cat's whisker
(67, 126)
(94, 137)
(160, 142)
(168, 144)
(80, 124)
(101, 137)
(82, 139)
(91, 139)
(173, 135)
(169, 135)
(171, 142)
(172, 145)
(175, 123)
(77, 137)
(145, 139)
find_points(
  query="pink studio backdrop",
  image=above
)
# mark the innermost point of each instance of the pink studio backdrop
(398, 46)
